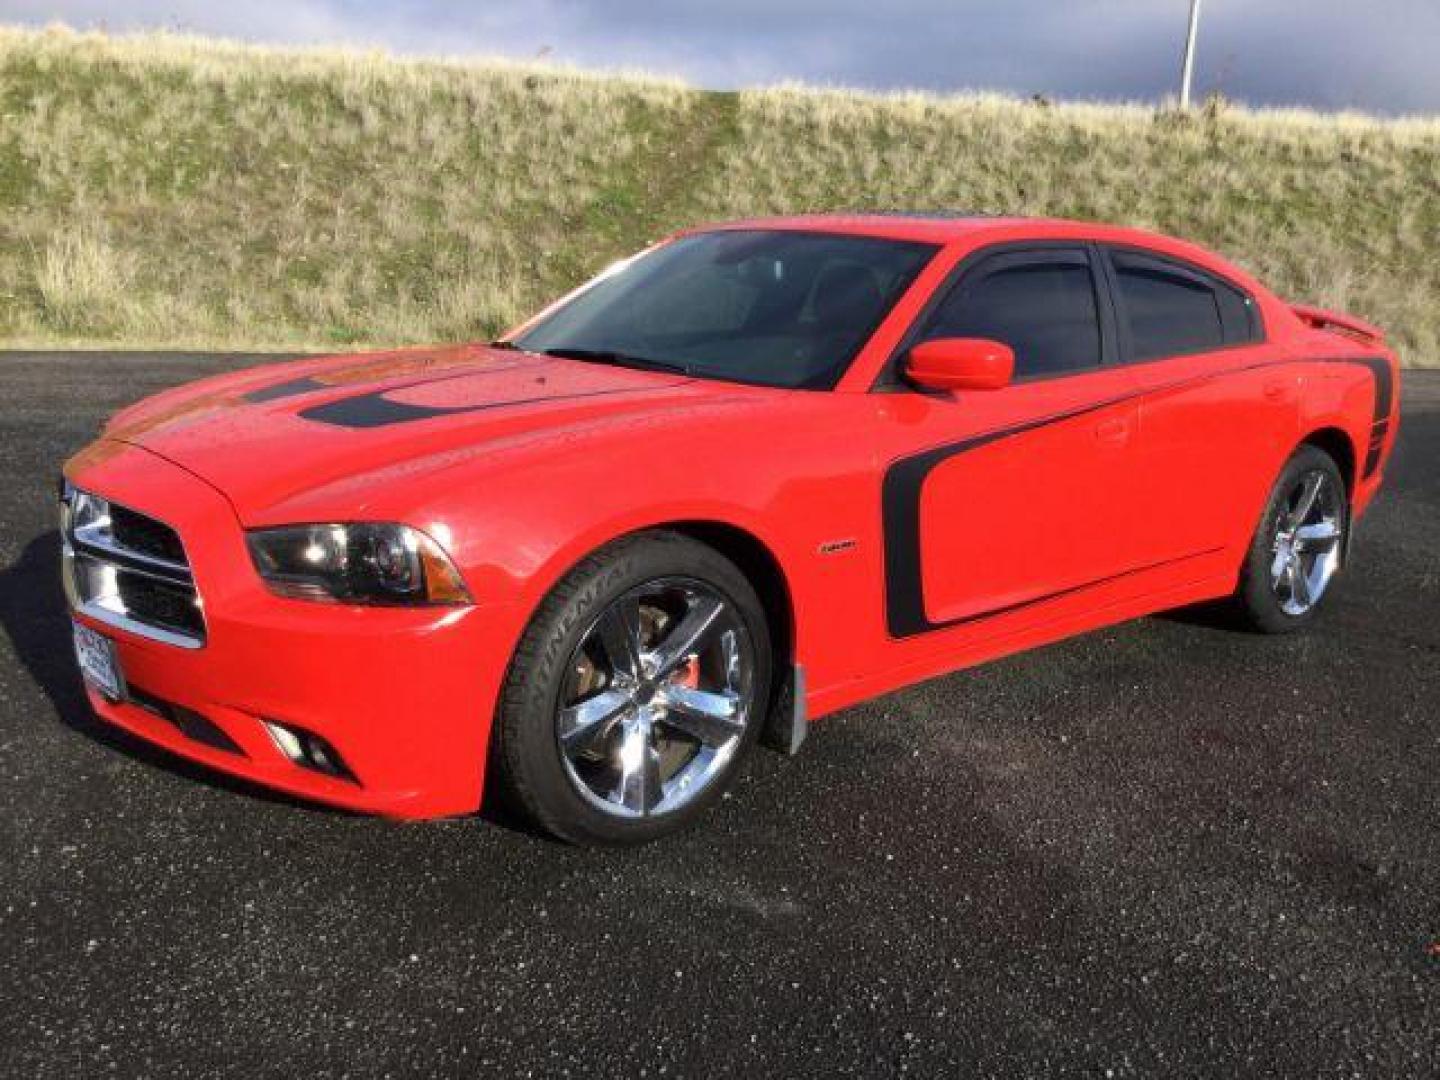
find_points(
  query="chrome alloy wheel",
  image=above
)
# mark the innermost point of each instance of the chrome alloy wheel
(656, 699)
(1306, 550)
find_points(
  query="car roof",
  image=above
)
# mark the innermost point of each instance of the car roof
(934, 227)
(939, 226)
(947, 227)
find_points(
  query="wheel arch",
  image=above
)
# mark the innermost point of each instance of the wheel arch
(1338, 444)
(760, 565)
(755, 558)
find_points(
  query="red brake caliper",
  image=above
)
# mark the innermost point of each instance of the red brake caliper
(687, 674)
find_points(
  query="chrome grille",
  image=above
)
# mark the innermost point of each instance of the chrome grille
(128, 570)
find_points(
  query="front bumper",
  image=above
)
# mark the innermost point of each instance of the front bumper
(405, 695)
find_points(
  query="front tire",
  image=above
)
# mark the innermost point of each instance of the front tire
(1298, 545)
(635, 693)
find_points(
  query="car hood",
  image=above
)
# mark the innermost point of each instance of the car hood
(266, 435)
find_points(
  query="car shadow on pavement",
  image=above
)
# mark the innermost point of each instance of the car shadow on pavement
(1217, 615)
(37, 620)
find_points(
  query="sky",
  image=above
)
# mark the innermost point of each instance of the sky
(1371, 55)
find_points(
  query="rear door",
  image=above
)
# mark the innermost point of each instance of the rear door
(1216, 418)
(998, 502)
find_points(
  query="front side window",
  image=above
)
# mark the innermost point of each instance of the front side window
(765, 306)
(1044, 308)
(1170, 311)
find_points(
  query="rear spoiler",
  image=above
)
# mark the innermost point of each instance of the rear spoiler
(1320, 319)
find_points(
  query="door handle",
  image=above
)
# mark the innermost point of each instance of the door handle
(1112, 431)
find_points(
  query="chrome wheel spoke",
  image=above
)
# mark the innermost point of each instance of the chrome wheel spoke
(581, 724)
(1299, 584)
(1318, 537)
(640, 787)
(619, 631)
(713, 717)
(1309, 492)
(1280, 564)
(688, 636)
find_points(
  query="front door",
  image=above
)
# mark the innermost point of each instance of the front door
(1003, 504)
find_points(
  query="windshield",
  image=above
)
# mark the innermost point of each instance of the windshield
(775, 308)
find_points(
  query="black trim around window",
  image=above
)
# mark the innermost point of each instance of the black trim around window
(1182, 268)
(889, 379)
(1115, 347)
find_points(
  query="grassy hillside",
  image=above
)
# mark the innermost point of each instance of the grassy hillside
(160, 190)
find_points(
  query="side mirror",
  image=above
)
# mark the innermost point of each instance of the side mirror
(960, 364)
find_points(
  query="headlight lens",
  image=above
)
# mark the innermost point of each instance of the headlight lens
(356, 563)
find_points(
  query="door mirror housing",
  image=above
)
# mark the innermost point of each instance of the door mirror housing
(960, 364)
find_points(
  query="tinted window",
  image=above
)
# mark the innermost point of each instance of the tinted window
(760, 306)
(1237, 315)
(1043, 309)
(1171, 311)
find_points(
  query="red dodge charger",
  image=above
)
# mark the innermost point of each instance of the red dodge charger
(752, 475)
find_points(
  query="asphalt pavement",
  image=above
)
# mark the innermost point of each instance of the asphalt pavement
(1165, 849)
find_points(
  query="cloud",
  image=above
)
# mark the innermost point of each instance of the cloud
(1325, 53)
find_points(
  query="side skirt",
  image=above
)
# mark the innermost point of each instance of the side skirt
(834, 698)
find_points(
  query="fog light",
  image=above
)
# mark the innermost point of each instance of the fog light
(309, 750)
(287, 740)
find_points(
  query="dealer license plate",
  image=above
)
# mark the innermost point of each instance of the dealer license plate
(98, 662)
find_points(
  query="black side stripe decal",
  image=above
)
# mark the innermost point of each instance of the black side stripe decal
(900, 521)
(901, 487)
(1384, 403)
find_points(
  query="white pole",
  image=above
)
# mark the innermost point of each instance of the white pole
(1189, 67)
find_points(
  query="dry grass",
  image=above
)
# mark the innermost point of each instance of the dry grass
(170, 190)
(161, 188)
(84, 283)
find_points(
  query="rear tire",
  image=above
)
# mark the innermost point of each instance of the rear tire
(635, 692)
(1297, 547)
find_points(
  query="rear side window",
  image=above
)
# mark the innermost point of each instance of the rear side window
(1044, 308)
(1170, 310)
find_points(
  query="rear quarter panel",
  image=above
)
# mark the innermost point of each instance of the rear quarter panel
(1356, 390)
(1215, 430)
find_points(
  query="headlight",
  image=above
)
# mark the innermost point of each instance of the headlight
(357, 564)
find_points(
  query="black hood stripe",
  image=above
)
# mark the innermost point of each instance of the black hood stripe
(303, 385)
(309, 384)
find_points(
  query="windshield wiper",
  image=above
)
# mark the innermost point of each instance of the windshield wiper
(619, 359)
(501, 343)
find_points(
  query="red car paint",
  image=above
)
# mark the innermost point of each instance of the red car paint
(914, 533)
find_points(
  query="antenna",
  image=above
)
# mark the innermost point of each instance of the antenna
(1188, 68)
